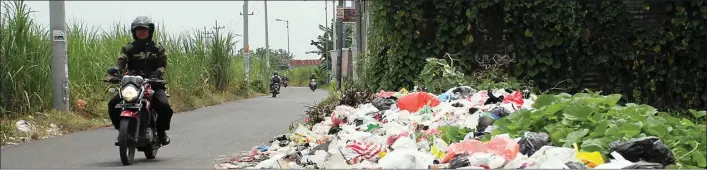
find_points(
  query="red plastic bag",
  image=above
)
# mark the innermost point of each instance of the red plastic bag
(504, 147)
(415, 101)
(392, 139)
(515, 98)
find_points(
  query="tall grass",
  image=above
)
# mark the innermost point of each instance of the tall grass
(300, 76)
(196, 68)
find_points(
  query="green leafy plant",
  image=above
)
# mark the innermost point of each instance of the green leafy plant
(453, 134)
(594, 120)
(600, 45)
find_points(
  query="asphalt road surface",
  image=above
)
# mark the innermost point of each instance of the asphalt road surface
(198, 136)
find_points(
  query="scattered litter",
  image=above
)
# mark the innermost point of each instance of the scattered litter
(419, 130)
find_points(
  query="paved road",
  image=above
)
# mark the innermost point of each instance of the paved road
(198, 136)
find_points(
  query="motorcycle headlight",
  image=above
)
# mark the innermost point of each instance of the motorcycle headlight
(129, 93)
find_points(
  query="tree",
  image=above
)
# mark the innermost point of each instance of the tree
(324, 44)
(279, 59)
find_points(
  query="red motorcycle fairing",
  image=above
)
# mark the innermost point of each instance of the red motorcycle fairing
(129, 113)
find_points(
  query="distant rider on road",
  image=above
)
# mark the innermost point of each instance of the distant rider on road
(275, 79)
(145, 56)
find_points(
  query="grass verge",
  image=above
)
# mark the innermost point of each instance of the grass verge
(200, 72)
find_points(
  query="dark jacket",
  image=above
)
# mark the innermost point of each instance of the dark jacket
(147, 58)
(275, 79)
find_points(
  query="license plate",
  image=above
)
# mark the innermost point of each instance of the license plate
(129, 105)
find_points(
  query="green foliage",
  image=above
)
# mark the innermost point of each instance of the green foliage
(657, 61)
(438, 76)
(453, 134)
(279, 59)
(325, 44)
(197, 69)
(594, 121)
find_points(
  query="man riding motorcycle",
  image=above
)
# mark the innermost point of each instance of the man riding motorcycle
(313, 77)
(143, 55)
(275, 79)
(284, 78)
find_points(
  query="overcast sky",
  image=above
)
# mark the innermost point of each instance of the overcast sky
(179, 16)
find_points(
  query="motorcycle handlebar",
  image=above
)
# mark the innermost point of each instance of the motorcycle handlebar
(116, 80)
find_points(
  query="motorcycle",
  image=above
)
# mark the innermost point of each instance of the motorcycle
(313, 84)
(275, 89)
(137, 129)
(285, 83)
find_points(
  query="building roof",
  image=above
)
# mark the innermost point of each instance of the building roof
(299, 63)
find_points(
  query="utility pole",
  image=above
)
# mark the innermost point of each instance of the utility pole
(340, 44)
(333, 40)
(267, 39)
(246, 49)
(216, 27)
(59, 54)
(359, 37)
(206, 37)
(326, 14)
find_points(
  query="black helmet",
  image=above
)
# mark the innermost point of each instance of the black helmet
(143, 21)
(276, 73)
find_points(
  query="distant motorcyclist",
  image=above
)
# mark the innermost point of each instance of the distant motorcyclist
(284, 78)
(143, 55)
(275, 79)
(312, 77)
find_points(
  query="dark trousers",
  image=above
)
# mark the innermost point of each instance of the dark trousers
(160, 103)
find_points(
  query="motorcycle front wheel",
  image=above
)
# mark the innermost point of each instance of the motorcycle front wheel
(125, 143)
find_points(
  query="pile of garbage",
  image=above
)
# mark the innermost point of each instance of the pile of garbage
(419, 130)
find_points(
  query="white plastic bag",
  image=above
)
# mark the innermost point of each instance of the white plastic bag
(550, 157)
(404, 142)
(617, 163)
(490, 160)
(406, 159)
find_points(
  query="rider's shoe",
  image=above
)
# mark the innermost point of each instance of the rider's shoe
(164, 139)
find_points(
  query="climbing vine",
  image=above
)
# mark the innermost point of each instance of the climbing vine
(653, 52)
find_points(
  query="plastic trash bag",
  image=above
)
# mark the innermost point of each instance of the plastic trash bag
(504, 146)
(382, 103)
(479, 98)
(516, 98)
(439, 148)
(591, 159)
(532, 142)
(23, 126)
(550, 157)
(487, 160)
(391, 139)
(500, 112)
(406, 159)
(518, 163)
(645, 165)
(575, 165)
(367, 151)
(340, 114)
(460, 160)
(650, 149)
(617, 163)
(444, 97)
(404, 143)
(415, 101)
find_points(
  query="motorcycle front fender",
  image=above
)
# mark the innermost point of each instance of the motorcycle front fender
(130, 113)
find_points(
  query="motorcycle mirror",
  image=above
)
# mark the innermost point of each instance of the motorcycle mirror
(112, 90)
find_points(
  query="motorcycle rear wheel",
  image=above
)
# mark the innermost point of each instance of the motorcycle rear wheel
(125, 144)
